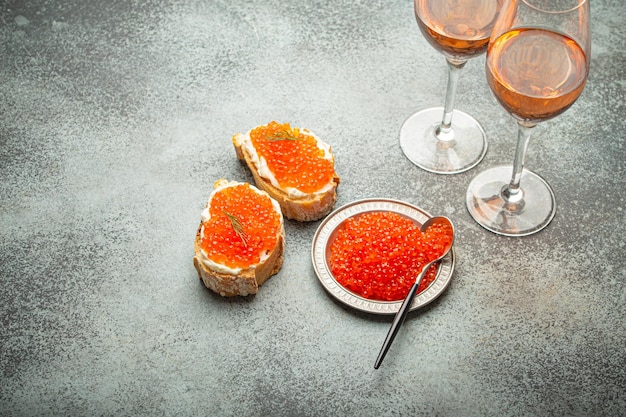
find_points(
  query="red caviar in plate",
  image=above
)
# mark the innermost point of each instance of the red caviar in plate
(243, 225)
(293, 156)
(378, 255)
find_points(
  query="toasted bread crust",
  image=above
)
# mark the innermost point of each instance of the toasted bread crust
(247, 281)
(309, 208)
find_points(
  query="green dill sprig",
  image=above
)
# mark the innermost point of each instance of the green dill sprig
(237, 227)
(282, 135)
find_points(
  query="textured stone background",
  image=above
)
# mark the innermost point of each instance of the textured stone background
(116, 118)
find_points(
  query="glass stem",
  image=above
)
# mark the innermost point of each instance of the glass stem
(512, 192)
(444, 130)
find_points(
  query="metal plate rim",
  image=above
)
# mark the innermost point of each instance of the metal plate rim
(321, 239)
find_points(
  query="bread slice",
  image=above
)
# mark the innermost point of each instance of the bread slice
(234, 281)
(301, 206)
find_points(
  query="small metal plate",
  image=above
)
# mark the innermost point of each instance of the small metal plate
(320, 254)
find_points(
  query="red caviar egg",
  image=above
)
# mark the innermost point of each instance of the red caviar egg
(378, 255)
(293, 157)
(243, 225)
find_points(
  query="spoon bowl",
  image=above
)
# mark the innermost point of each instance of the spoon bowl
(404, 308)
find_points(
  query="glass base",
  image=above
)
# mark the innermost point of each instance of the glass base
(461, 149)
(525, 213)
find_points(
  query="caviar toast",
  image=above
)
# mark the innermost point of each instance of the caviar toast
(294, 166)
(240, 242)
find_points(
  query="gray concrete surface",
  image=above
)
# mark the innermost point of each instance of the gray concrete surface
(116, 118)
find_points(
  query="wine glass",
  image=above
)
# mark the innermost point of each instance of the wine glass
(445, 140)
(537, 65)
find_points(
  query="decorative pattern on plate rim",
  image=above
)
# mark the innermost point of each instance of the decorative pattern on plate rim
(320, 252)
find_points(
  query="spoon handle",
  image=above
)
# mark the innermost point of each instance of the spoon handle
(400, 316)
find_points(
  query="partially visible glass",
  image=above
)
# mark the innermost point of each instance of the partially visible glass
(537, 66)
(441, 139)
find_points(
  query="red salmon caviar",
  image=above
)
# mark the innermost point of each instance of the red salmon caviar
(243, 225)
(293, 157)
(378, 255)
